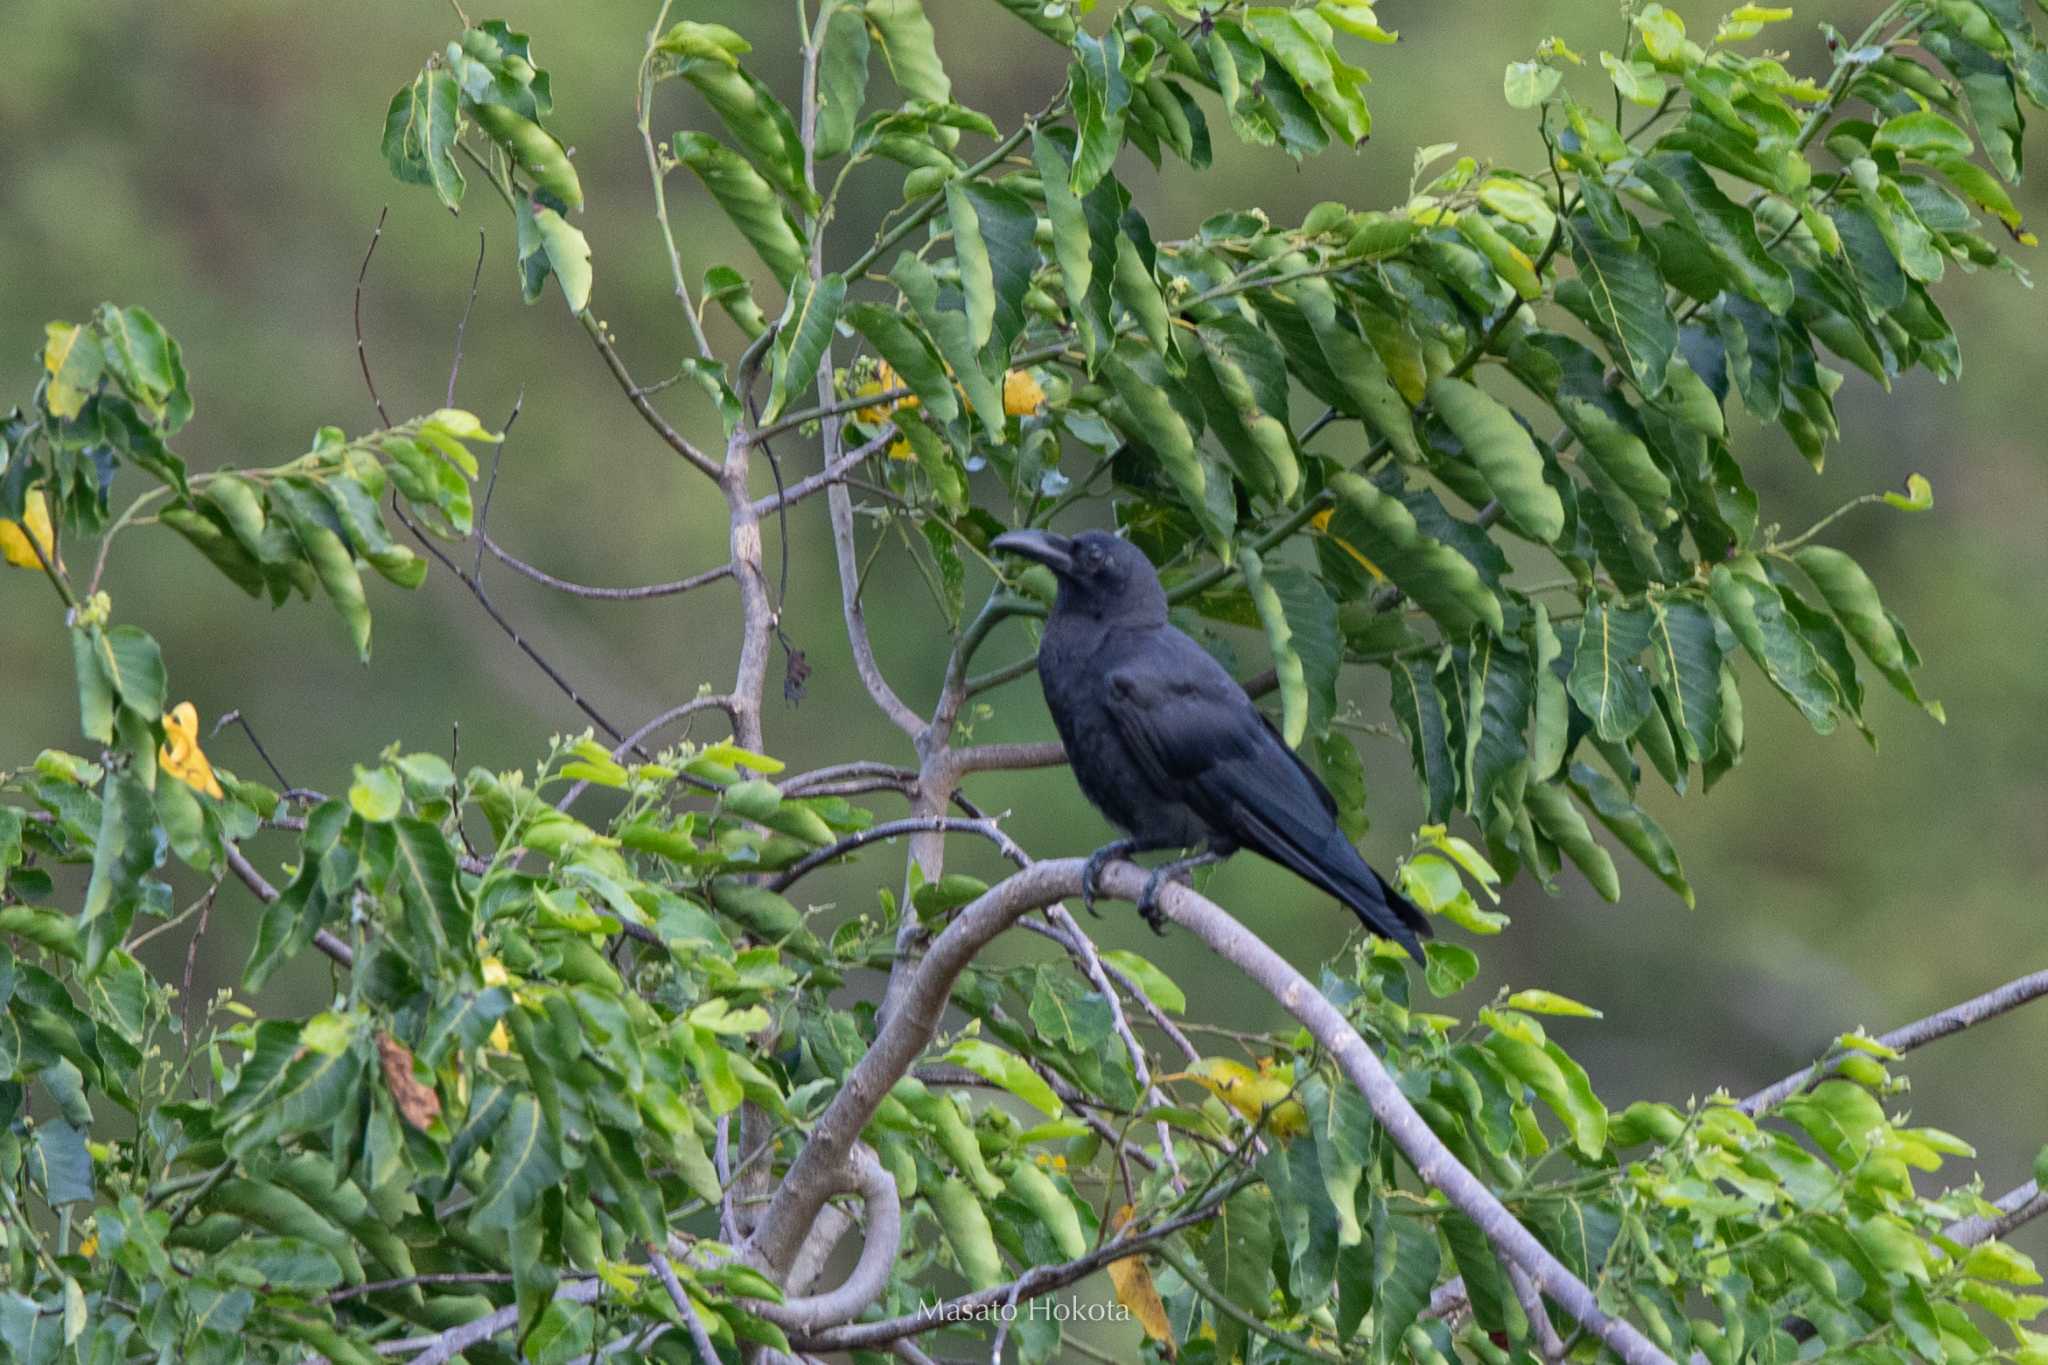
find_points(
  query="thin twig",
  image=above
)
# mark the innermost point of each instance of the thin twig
(363, 355)
(327, 943)
(889, 829)
(475, 278)
(642, 593)
(235, 717)
(1920, 1032)
(699, 1337)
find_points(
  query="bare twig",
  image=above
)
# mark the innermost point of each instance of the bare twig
(891, 829)
(1920, 1032)
(327, 943)
(475, 278)
(363, 355)
(236, 717)
(584, 590)
(834, 472)
(2015, 1208)
(637, 396)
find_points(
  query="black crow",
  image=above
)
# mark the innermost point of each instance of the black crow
(1170, 748)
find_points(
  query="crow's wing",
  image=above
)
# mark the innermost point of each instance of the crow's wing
(1195, 733)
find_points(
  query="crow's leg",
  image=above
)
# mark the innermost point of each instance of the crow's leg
(1091, 875)
(1148, 899)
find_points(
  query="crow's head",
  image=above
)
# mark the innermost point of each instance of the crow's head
(1099, 575)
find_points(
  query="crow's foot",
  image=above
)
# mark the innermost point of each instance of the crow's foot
(1091, 873)
(1148, 899)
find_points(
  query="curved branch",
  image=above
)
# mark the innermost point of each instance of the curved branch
(1920, 1032)
(911, 1027)
(638, 398)
(638, 594)
(893, 706)
(984, 758)
(327, 943)
(2015, 1208)
(890, 829)
(833, 473)
(838, 779)
(869, 1277)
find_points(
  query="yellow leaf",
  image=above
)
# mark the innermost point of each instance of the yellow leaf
(63, 397)
(1251, 1093)
(180, 755)
(19, 540)
(1321, 522)
(1131, 1278)
(1022, 394)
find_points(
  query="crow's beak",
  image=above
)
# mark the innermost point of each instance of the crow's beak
(1055, 552)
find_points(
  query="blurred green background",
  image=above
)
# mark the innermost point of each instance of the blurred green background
(219, 164)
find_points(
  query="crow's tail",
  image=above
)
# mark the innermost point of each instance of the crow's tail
(1335, 866)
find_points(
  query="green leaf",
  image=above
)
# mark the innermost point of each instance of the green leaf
(1560, 1083)
(59, 1164)
(1500, 696)
(904, 36)
(524, 1165)
(1852, 597)
(419, 135)
(1406, 1259)
(1528, 84)
(1140, 380)
(426, 877)
(1367, 385)
(1688, 652)
(549, 245)
(748, 201)
(123, 854)
(1607, 678)
(1627, 822)
(1158, 987)
(1757, 615)
(1921, 134)
(1238, 1257)
(1241, 378)
(1728, 230)
(806, 330)
(1420, 709)
(1504, 454)
(1084, 233)
(909, 354)
(759, 124)
(1138, 291)
(842, 81)
(1007, 1070)
(1098, 95)
(993, 230)
(1559, 820)
(1626, 294)
(377, 795)
(95, 688)
(947, 328)
(134, 666)
(1272, 612)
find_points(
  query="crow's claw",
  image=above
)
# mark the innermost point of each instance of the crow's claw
(1148, 899)
(1091, 873)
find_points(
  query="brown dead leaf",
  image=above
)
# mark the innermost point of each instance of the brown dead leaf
(418, 1104)
(1131, 1278)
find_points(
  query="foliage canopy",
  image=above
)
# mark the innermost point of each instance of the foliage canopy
(575, 1064)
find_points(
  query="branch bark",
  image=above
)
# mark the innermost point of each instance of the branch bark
(1992, 1003)
(910, 1028)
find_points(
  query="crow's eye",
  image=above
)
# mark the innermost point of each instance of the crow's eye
(1091, 559)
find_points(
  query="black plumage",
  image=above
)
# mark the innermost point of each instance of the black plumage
(1170, 748)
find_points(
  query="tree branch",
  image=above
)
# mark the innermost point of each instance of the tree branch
(638, 594)
(834, 472)
(648, 412)
(1905, 1038)
(911, 1027)
(890, 829)
(864, 1175)
(327, 943)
